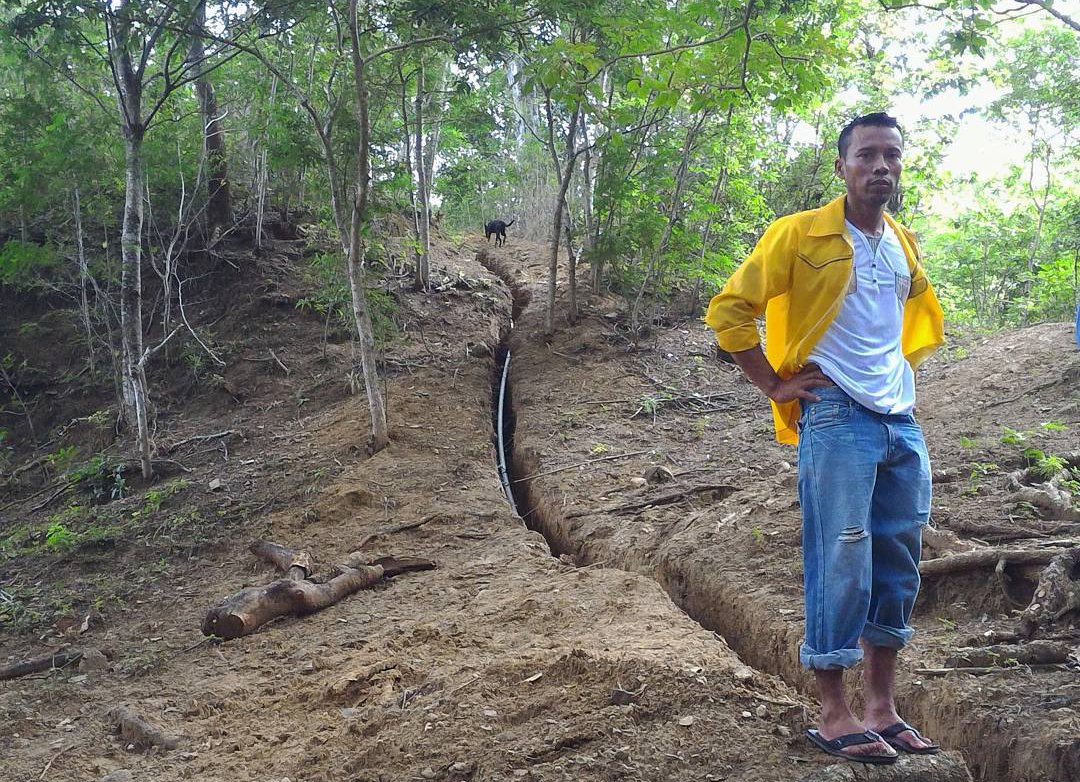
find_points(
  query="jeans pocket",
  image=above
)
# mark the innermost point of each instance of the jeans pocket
(826, 413)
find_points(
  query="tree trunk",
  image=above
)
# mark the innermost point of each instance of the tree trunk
(135, 396)
(84, 277)
(380, 436)
(219, 201)
(571, 262)
(565, 174)
(420, 277)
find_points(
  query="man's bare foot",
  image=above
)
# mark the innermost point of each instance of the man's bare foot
(906, 738)
(834, 726)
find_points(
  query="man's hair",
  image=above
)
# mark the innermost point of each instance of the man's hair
(877, 119)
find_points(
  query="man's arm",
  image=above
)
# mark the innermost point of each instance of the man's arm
(799, 386)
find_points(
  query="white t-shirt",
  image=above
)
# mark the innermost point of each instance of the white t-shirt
(860, 351)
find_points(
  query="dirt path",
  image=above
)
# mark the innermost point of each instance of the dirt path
(726, 548)
(503, 663)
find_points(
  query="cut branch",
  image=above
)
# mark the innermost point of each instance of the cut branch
(39, 664)
(297, 594)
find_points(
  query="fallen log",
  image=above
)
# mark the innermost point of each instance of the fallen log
(1009, 655)
(984, 557)
(299, 593)
(297, 565)
(1057, 593)
(39, 664)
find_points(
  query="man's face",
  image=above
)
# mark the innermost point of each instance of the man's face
(872, 164)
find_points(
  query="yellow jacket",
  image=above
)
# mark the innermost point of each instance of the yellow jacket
(798, 274)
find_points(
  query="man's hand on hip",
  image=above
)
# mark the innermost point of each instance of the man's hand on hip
(800, 385)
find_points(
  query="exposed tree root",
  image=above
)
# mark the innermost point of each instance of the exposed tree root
(1057, 594)
(945, 540)
(37, 665)
(297, 594)
(1007, 655)
(984, 557)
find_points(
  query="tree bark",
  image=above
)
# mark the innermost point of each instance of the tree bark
(84, 277)
(423, 220)
(135, 396)
(380, 436)
(219, 200)
(565, 173)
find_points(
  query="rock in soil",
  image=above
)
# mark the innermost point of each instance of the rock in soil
(946, 767)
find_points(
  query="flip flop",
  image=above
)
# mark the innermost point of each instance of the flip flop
(891, 733)
(837, 745)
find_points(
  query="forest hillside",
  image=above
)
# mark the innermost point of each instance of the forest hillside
(358, 421)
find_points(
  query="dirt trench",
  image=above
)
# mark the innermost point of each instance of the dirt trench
(754, 619)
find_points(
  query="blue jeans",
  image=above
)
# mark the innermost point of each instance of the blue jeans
(864, 487)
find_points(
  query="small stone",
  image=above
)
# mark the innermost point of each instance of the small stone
(686, 722)
(621, 697)
(783, 731)
(120, 775)
(659, 474)
(428, 773)
(92, 660)
(461, 767)
(490, 713)
(743, 673)
(637, 482)
(78, 679)
(622, 754)
(761, 711)
(747, 715)
(216, 484)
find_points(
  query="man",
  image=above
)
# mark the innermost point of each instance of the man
(849, 314)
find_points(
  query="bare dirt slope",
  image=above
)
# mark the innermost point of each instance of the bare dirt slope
(505, 662)
(723, 536)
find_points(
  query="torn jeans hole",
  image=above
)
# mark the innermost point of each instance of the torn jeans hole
(851, 535)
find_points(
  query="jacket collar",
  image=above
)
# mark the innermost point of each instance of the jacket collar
(829, 219)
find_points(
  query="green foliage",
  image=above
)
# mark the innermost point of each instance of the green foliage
(102, 477)
(59, 537)
(21, 262)
(979, 470)
(62, 459)
(1013, 437)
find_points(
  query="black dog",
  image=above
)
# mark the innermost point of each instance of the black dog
(497, 227)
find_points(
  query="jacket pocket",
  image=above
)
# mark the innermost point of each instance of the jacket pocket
(821, 263)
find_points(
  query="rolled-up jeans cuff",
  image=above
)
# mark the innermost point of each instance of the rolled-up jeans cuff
(889, 637)
(830, 661)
